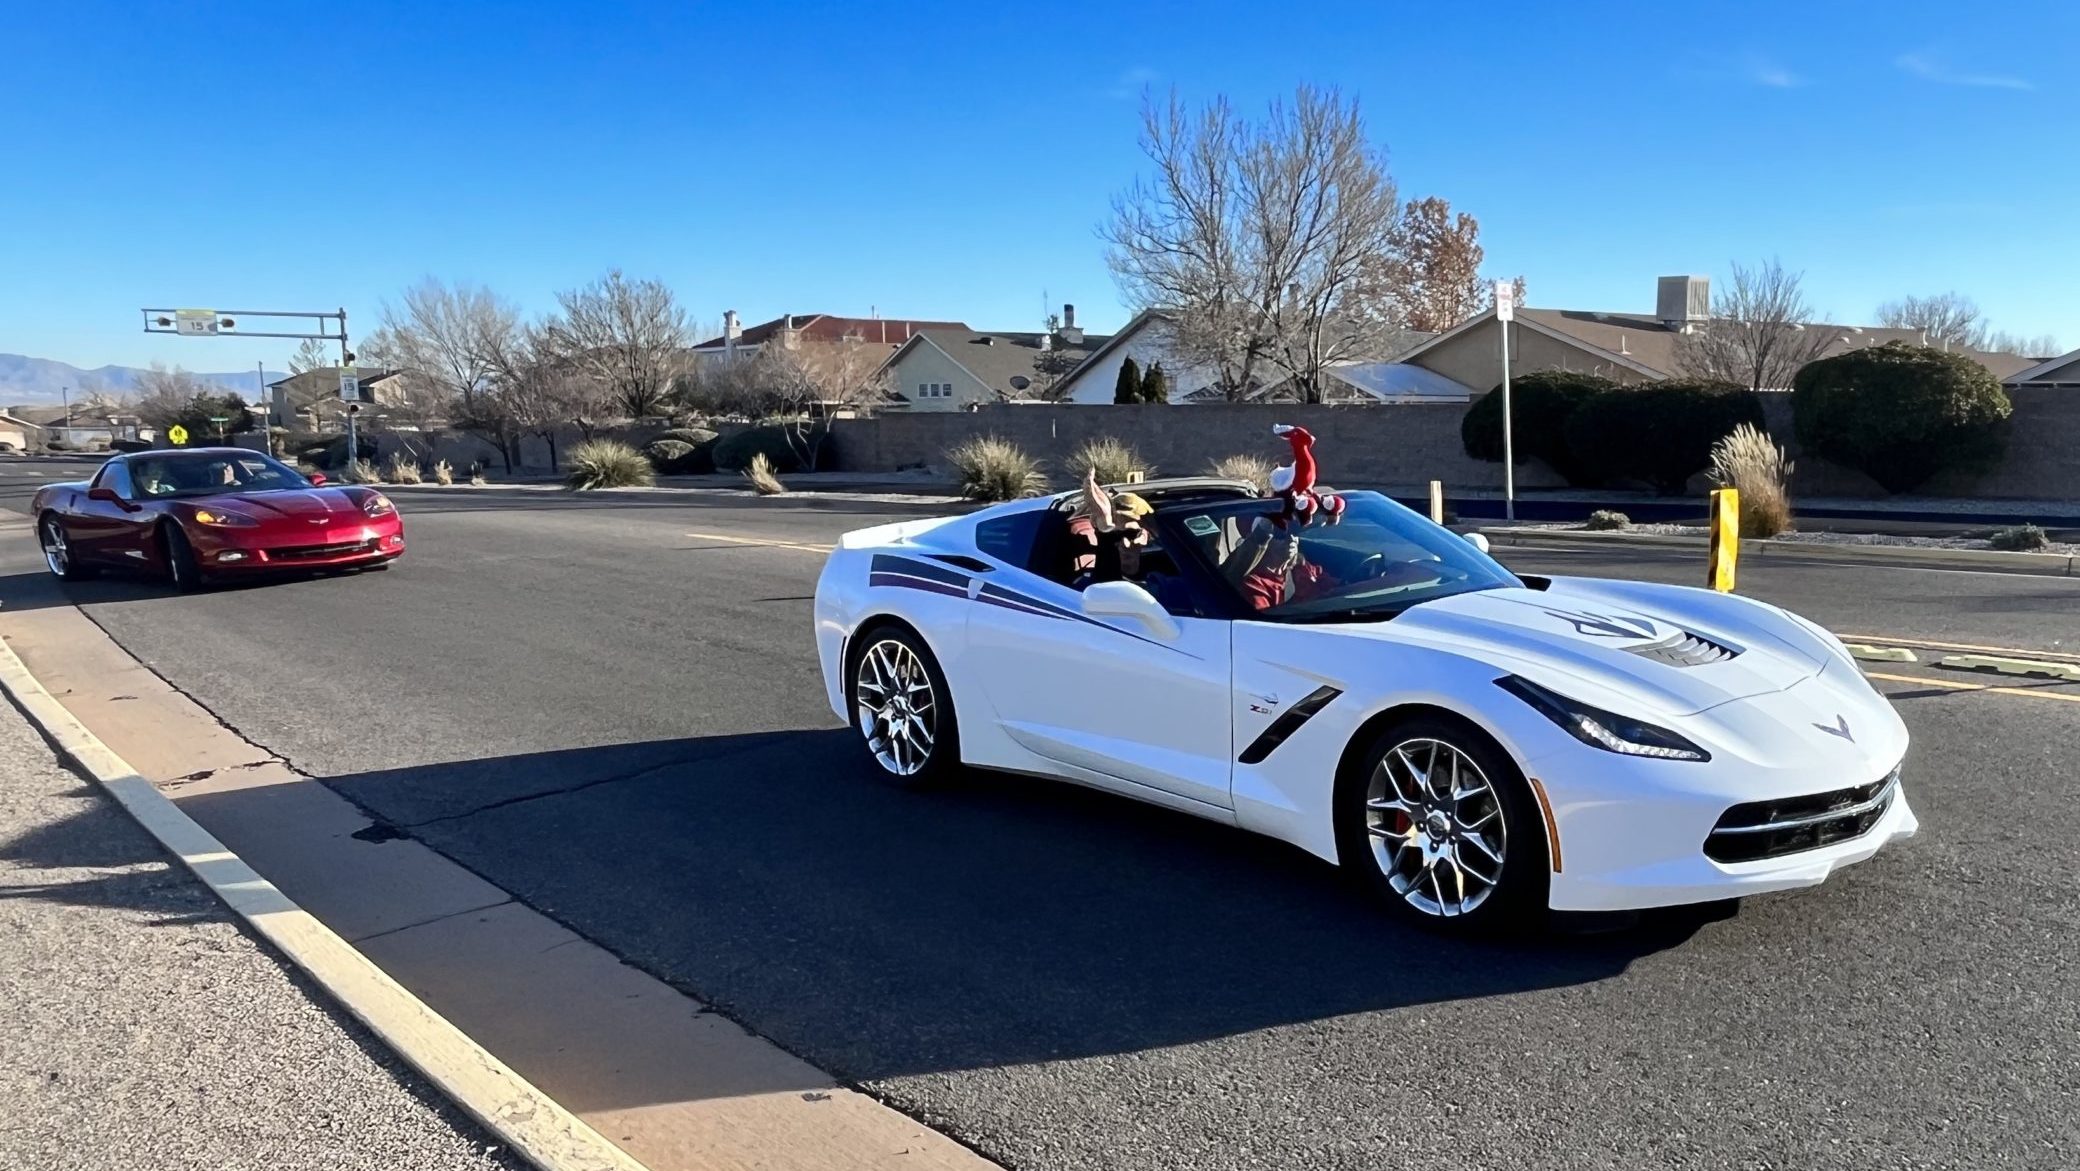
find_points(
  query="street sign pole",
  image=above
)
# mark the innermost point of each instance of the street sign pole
(1505, 310)
(350, 398)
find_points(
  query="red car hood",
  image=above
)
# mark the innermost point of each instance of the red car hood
(309, 503)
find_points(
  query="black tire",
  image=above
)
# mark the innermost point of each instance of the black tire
(182, 568)
(51, 538)
(875, 651)
(1415, 868)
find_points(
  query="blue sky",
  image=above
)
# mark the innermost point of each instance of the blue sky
(946, 160)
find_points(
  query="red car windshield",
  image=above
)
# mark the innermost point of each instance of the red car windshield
(161, 477)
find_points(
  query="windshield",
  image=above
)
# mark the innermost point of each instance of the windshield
(160, 477)
(1378, 560)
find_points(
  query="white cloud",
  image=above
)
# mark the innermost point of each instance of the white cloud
(1771, 74)
(1132, 82)
(1928, 66)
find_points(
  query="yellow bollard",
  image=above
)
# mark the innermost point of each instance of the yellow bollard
(1726, 538)
(1437, 502)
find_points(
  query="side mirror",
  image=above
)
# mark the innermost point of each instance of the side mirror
(1124, 599)
(108, 496)
(317, 479)
(1477, 540)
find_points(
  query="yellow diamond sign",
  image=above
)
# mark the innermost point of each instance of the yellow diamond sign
(176, 434)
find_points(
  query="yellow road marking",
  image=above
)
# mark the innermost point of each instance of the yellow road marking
(762, 542)
(1956, 685)
(1882, 640)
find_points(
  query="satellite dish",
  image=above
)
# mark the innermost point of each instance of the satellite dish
(1020, 382)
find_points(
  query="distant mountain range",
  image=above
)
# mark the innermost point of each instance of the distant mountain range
(26, 381)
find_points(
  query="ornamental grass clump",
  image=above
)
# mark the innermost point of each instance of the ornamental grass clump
(1114, 461)
(1748, 461)
(607, 463)
(992, 469)
(760, 473)
(1255, 469)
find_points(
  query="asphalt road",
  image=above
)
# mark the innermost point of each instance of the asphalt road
(620, 720)
(133, 1000)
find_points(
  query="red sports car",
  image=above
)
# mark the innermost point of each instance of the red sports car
(197, 513)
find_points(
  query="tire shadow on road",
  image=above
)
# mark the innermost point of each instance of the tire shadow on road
(995, 921)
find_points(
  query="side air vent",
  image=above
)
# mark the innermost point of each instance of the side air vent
(1684, 649)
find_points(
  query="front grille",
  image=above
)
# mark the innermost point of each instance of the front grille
(315, 552)
(1684, 649)
(1772, 829)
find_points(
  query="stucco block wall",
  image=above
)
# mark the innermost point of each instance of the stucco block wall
(1404, 445)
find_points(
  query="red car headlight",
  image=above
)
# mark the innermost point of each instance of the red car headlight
(378, 504)
(228, 520)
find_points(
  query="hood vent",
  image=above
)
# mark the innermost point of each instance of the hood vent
(1684, 649)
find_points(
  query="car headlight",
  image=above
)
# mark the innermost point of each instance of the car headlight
(1601, 729)
(229, 520)
(378, 504)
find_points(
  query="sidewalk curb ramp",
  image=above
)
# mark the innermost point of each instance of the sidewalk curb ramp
(524, 1118)
(1900, 556)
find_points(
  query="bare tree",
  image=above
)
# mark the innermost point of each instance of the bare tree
(1265, 241)
(632, 335)
(1436, 264)
(1946, 320)
(165, 395)
(310, 355)
(440, 338)
(2042, 345)
(1760, 333)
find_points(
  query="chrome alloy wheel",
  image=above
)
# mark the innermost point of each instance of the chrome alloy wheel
(898, 714)
(1436, 827)
(57, 556)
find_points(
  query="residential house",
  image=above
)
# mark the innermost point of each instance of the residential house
(18, 434)
(2062, 372)
(960, 369)
(83, 425)
(793, 329)
(1627, 348)
(311, 398)
(1148, 339)
(1373, 384)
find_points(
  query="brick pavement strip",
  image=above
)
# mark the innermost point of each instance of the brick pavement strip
(141, 1028)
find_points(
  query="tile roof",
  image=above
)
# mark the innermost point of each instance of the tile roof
(823, 327)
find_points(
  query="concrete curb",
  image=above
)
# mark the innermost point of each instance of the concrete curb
(1905, 556)
(523, 1117)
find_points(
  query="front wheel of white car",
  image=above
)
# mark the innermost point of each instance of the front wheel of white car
(902, 707)
(1440, 823)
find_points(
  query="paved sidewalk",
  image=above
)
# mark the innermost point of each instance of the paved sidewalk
(141, 1028)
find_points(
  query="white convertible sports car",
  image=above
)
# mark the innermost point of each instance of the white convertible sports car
(1478, 745)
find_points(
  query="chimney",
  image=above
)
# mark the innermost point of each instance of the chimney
(732, 327)
(1682, 302)
(1070, 334)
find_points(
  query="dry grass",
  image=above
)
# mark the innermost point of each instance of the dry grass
(992, 469)
(476, 476)
(1605, 520)
(362, 471)
(443, 472)
(401, 468)
(1748, 461)
(2019, 539)
(607, 463)
(1114, 460)
(1254, 468)
(760, 473)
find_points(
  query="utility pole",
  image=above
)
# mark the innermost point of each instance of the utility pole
(65, 395)
(346, 369)
(1506, 309)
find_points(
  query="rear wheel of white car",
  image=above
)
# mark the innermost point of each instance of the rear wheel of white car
(902, 708)
(1441, 824)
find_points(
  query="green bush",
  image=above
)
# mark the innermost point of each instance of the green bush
(690, 436)
(1608, 520)
(1661, 433)
(1540, 405)
(607, 463)
(676, 457)
(1901, 413)
(783, 444)
(993, 469)
(2020, 539)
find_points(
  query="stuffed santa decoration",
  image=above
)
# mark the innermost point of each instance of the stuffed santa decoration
(1295, 481)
